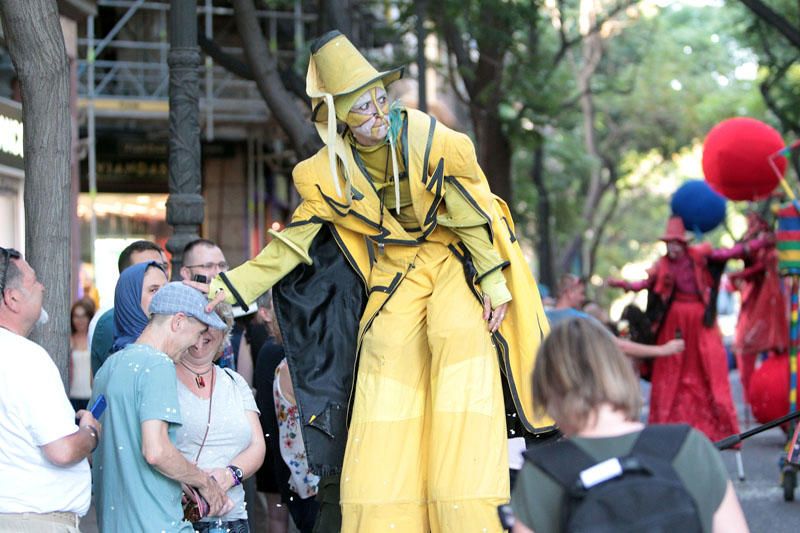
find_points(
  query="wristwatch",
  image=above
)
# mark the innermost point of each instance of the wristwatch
(238, 475)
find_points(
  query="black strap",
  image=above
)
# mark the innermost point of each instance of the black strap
(658, 445)
(663, 441)
(236, 296)
(563, 461)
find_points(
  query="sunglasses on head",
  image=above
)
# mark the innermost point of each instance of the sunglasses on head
(7, 254)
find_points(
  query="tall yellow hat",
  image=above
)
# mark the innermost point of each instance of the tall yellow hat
(337, 69)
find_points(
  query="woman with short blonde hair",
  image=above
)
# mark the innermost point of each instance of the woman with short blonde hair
(585, 383)
(594, 362)
(220, 430)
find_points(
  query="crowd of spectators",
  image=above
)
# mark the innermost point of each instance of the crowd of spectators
(183, 431)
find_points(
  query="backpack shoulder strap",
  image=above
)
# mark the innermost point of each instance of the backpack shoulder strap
(563, 461)
(662, 441)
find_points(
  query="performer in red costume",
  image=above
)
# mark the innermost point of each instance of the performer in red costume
(763, 325)
(692, 386)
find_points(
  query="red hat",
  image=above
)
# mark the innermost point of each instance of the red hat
(675, 231)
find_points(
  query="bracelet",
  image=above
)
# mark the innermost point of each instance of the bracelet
(93, 432)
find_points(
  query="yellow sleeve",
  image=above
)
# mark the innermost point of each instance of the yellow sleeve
(472, 228)
(287, 249)
(494, 285)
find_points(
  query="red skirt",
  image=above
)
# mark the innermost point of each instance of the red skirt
(763, 319)
(693, 387)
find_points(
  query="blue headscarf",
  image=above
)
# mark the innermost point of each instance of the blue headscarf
(129, 318)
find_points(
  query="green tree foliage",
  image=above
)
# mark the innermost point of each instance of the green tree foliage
(662, 80)
(579, 108)
(759, 26)
(687, 82)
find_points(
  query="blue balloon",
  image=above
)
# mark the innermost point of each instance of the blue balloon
(699, 206)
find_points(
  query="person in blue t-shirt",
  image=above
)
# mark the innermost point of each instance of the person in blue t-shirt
(137, 470)
(571, 296)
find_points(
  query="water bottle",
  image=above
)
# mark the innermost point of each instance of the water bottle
(217, 527)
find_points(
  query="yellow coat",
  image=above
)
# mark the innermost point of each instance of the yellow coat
(437, 158)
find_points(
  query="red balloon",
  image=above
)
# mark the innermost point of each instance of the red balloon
(736, 158)
(769, 389)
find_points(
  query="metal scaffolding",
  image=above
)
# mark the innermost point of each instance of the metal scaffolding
(123, 73)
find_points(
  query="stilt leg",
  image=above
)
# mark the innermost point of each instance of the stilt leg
(740, 465)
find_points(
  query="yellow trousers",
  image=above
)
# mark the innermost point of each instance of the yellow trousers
(426, 447)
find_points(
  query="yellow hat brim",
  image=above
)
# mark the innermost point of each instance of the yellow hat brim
(319, 109)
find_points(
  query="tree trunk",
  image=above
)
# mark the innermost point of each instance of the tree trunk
(591, 54)
(232, 64)
(777, 21)
(494, 147)
(566, 260)
(482, 80)
(600, 230)
(544, 241)
(264, 65)
(494, 151)
(336, 16)
(36, 45)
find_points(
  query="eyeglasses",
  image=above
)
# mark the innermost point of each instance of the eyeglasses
(222, 265)
(8, 254)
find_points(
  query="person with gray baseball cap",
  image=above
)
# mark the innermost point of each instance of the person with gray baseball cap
(137, 470)
(177, 297)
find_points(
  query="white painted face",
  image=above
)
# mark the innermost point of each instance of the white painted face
(675, 249)
(367, 118)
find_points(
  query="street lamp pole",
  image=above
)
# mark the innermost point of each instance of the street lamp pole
(185, 205)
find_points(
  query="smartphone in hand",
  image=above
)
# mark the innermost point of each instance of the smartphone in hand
(98, 407)
(200, 278)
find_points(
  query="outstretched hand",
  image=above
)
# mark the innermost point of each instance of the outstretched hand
(218, 298)
(672, 347)
(493, 316)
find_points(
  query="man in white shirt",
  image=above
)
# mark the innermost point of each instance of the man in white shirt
(45, 484)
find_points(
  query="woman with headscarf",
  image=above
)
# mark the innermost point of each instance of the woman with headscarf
(135, 288)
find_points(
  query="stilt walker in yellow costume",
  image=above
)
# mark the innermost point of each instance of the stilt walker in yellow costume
(409, 315)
